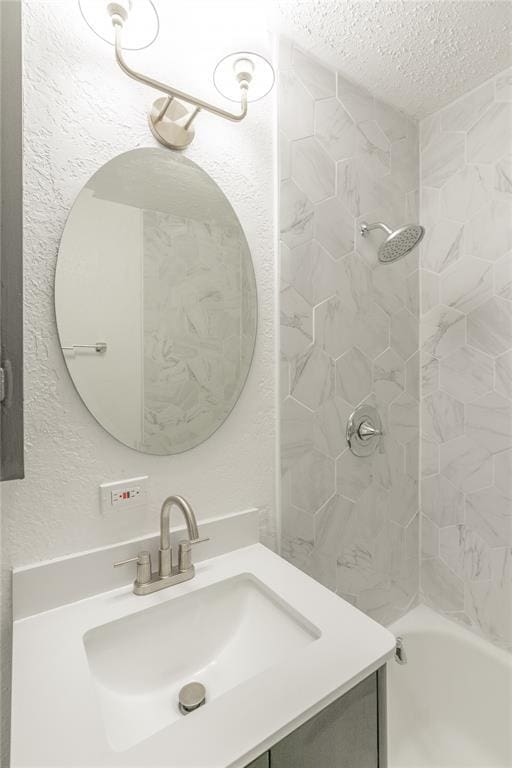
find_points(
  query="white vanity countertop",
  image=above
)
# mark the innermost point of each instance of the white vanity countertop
(56, 719)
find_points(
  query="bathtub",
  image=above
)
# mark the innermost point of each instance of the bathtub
(450, 706)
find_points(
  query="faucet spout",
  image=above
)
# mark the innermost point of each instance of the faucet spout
(165, 533)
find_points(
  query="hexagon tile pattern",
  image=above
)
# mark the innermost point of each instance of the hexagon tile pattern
(349, 332)
(466, 332)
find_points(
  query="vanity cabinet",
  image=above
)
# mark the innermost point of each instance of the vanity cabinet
(346, 734)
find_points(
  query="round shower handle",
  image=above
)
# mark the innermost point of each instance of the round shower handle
(367, 430)
(364, 430)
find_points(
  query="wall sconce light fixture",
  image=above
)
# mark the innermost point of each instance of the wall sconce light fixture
(132, 25)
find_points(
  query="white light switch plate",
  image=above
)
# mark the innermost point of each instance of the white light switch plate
(124, 494)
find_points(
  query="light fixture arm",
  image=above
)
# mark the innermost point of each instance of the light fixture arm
(174, 93)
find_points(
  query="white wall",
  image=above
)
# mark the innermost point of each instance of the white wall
(80, 111)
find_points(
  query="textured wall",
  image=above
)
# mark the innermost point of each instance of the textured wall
(466, 331)
(80, 111)
(349, 333)
(417, 55)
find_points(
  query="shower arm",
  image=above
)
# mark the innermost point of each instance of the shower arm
(365, 228)
(174, 93)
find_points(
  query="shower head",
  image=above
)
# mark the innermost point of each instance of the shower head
(398, 243)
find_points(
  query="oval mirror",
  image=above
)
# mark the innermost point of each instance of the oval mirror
(155, 299)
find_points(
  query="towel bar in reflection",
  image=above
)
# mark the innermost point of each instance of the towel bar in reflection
(100, 346)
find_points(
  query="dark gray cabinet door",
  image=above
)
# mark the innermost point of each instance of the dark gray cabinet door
(260, 762)
(343, 735)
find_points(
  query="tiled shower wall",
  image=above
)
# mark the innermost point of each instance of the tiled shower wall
(349, 334)
(466, 330)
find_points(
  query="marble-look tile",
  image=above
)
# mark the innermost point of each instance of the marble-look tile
(430, 128)
(429, 290)
(296, 215)
(405, 163)
(503, 86)
(312, 169)
(404, 333)
(355, 282)
(331, 524)
(372, 147)
(403, 499)
(295, 105)
(363, 193)
(412, 538)
(503, 277)
(390, 288)
(388, 376)
(353, 376)
(388, 461)
(491, 137)
(465, 193)
(404, 419)
(429, 374)
(357, 102)
(442, 245)
(354, 474)
(297, 534)
(503, 472)
(296, 323)
(466, 374)
(503, 374)
(429, 457)
(442, 331)
(441, 158)
(489, 422)
(412, 376)
(312, 377)
(467, 284)
(490, 326)
(503, 178)
(412, 458)
(335, 129)
(334, 228)
(441, 501)
(412, 299)
(429, 538)
(490, 609)
(334, 326)
(284, 378)
(330, 426)
(394, 123)
(442, 417)
(371, 330)
(465, 553)
(310, 270)
(464, 112)
(297, 432)
(466, 464)
(489, 513)
(440, 585)
(284, 157)
(319, 80)
(312, 481)
(489, 234)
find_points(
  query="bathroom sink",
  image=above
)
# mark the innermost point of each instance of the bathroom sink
(220, 636)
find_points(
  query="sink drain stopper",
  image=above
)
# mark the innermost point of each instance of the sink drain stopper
(192, 696)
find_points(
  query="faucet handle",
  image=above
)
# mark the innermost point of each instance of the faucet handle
(185, 553)
(143, 561)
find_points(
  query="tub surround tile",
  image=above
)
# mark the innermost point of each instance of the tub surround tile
(319, 80)
(503, 86)
(464, 113)
(489, 513)
(466, 374)
(488, 234)
(465, 193)
(503, 178)
(503, 278)
(443, 156)
(345, 518)
(466, 464)
(467, 285)
(503, 473)
(490, 326)
(490, 138)
(441, 586)
(442, 417)
(443, 330)
(442, 501)
(442, 245)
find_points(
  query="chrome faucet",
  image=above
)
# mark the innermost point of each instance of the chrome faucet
(167, 574)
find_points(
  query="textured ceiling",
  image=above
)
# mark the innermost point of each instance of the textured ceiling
(416, 55)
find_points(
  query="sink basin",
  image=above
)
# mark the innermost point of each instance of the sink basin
(220, 635)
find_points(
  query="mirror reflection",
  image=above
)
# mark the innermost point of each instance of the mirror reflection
(155, 299)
